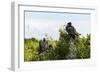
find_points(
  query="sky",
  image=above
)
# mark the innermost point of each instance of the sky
(37, 24)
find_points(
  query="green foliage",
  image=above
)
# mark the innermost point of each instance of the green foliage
(62, 48)
(31, 50)
(84, 47)
(48, 55)
(59, 48)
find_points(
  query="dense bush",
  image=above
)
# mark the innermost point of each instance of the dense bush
(31, 50)
(84, 47)
(59, 48)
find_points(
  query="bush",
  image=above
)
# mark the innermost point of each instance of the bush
(58, 49)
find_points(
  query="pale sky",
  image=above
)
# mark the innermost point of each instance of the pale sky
(37, 24)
